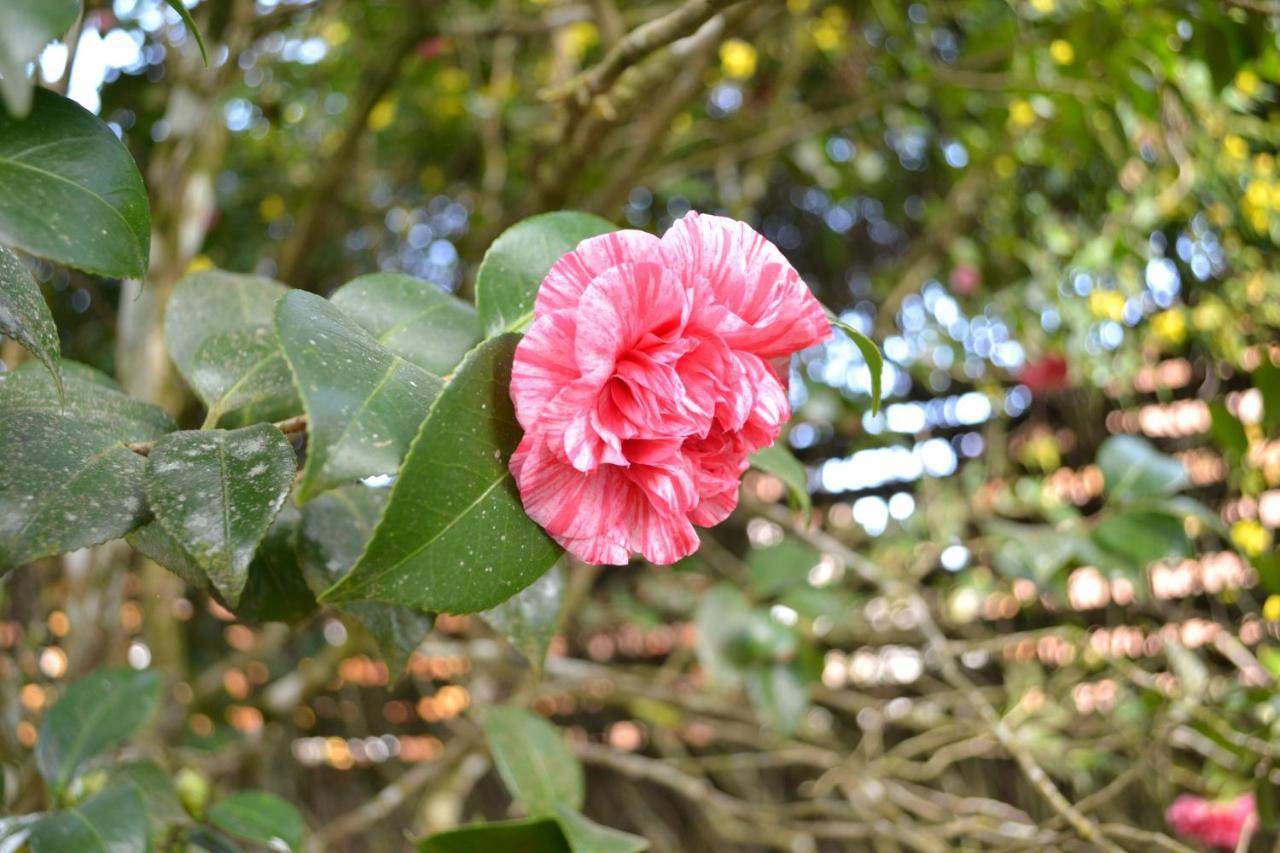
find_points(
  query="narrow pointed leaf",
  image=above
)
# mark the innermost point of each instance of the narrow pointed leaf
(364, 403)
(113, 821)
(189, 22)
(528, 618)
(779, 462)
(259, 817)
(413, 318)
(870, 354)
(335, 528)
(99, 711)
(534, 761)
(216, 492)
(513, 268)
(25, 29)
(72, 192)
(218, 330)
(25, 317)
(532, 835)
(586, 836)
(455, 537)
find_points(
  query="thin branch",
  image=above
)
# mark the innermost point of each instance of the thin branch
(291, 427)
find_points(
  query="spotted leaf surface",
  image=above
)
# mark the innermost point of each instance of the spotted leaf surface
(528, 619)
(72, 192)
(335, 528)
(24, 316)
(216, 493)
(513, 268)
(455, 537)
(412, 318)
(218, 330)
(364, 403)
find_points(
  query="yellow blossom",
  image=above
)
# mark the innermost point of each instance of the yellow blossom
(382, 114)
(1250, 537)
(335, 33)
(1248, 83)
(738, 59)
(1170, 326)
(1021, 113)
(271, 207)
(1044, 7)
(581, 36)
(1271, 608)
(200, 263)
(1062, 52)
(1235, 146)
(1107, 305)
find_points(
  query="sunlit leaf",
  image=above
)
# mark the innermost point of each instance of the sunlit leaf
(364, 403)
(455, 537)
(412, 318)
(72, 192)
(534, 761)
(216, 492)
(179, 7)
(513, 268)
(870, 354)
(99, 711)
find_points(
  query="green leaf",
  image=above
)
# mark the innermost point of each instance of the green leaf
(517, 262)
(780, 693)
(25, 317)
(776, 568)
(587, 836)
(1142, 537)
(259, 817)
(216, 492)
(413, 318)
(779, 462)
(99, 711)
(15, 829)
(1227, 431)
(156, 787)
(113, 821)
(64, 484)
(455, 537)
(723, 621)
(152, 541)
(72, 193)
(532, 835)
(533, 760)
(25, 29)
(364, 403)
(528, 618)
(218, 329)
(91, 398)
(871, 354)
(335, 528)
(277, 591)
(189, 22)
(1266, 378)
(1133, 468)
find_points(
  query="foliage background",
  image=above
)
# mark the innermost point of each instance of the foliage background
(1057, 217)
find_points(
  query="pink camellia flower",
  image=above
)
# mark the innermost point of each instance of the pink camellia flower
(653, 369)
(1214, 824)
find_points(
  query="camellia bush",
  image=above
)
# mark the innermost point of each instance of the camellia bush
(598, 427)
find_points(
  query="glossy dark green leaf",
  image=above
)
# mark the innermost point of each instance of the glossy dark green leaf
(364, 403)
(25, 317)
(72, 192)
(586, 836)
(259, 817)
(528, 618)
(413, 318)
(64, 484)
(26, 26)
(455, 537)
(533, 835)
(113, 821)
(189, 22)
(219, 333)
(513, 268)
(277, 590)
(216, 492)
(1132, 468)
(1142, 538)
(335, 528)
(152, 541)
(99, 711)
(870, 354)
(156, 786)
(92, 398)
(534, 761)
(778, 461)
